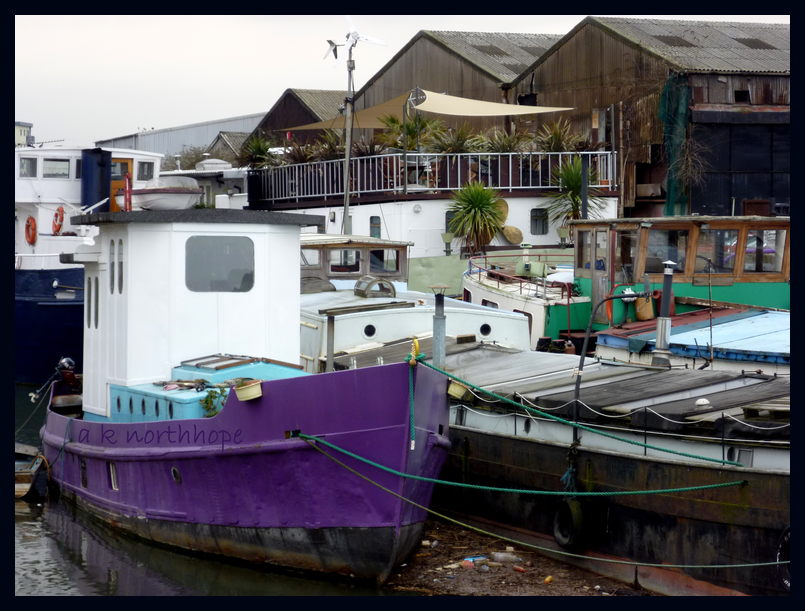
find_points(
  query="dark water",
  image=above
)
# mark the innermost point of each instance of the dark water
(58, 552)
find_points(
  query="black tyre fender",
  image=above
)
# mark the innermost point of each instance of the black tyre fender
(568, 523)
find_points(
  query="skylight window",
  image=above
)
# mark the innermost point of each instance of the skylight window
(754, 43)
(674, 41)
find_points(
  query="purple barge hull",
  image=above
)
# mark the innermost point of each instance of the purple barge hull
(244, 485)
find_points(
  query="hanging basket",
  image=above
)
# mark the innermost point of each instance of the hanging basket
(249, 390)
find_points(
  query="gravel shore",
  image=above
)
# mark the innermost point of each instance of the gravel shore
(456, 561)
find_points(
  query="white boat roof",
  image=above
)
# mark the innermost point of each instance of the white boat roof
(328, 239)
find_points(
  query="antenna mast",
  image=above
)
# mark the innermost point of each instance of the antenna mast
(352, 40)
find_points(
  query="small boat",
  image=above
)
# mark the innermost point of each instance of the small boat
(166, 193)
(195, 426)
(30, 476)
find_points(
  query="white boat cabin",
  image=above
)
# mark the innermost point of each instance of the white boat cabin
(165, 287)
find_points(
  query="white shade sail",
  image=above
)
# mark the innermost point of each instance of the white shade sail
(427, 101)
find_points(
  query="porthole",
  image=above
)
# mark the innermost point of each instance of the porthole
(177, 477)
(170, 410)
(131, 405)
(485, 329)
(117, 402)
(156, 408)
(142, 406)
(369, 330)
(527, 425)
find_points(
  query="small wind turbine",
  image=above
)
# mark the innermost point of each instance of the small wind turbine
(351, 41)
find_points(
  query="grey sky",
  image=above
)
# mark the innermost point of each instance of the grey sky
(82, 78)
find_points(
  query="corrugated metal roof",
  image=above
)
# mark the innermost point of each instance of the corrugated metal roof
(751, 335)
(324, 103)
(235, 139)
(505, 55)
(709, 46)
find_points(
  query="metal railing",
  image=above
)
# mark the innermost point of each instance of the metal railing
(409, 173)
(502, 269)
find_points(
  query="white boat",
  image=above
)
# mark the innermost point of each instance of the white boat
(166, 193)
(357, 310)
(51, 185)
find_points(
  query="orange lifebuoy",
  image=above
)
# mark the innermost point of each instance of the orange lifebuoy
(58, 220)
(30, 230)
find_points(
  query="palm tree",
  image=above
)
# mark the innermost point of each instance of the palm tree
(558, 137)
(567, 204)
(256, 153)
(410, 135)
(477, 215)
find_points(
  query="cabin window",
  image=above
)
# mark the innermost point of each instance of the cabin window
(27, 167)
(601, 253)
(120, 266)
(56, 168)
(78, 168)
(112, 267)
(583, 249)
(347, 260)
(539, 221)
(764, 250)
(384, 260)
(119, 169)
(466, 296)
(219, 264)
(448, 220)
(88, 302)
(374, 226)
(489, 304)
(715, 251)
(310, 257)
(95, 292)
(112, 476)
(666, 245)
(145, 170)
(626, 243)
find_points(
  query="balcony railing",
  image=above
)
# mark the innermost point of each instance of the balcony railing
(410, 173)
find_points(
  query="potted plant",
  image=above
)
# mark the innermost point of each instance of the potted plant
(454, 168)
(414, 134)
(373, 171)
(478, 214)
(505, 169)
(256, 153)
(566, 203)
(555, 137)
(247, 389)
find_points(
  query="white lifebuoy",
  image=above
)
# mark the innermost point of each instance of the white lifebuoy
(58, 220)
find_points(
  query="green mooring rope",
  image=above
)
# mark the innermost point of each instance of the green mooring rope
(310, 440)
(420, 359)
(516, 490)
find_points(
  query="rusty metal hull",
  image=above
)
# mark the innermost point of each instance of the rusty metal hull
(362, 553)
(245, 485)
(734, 525)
